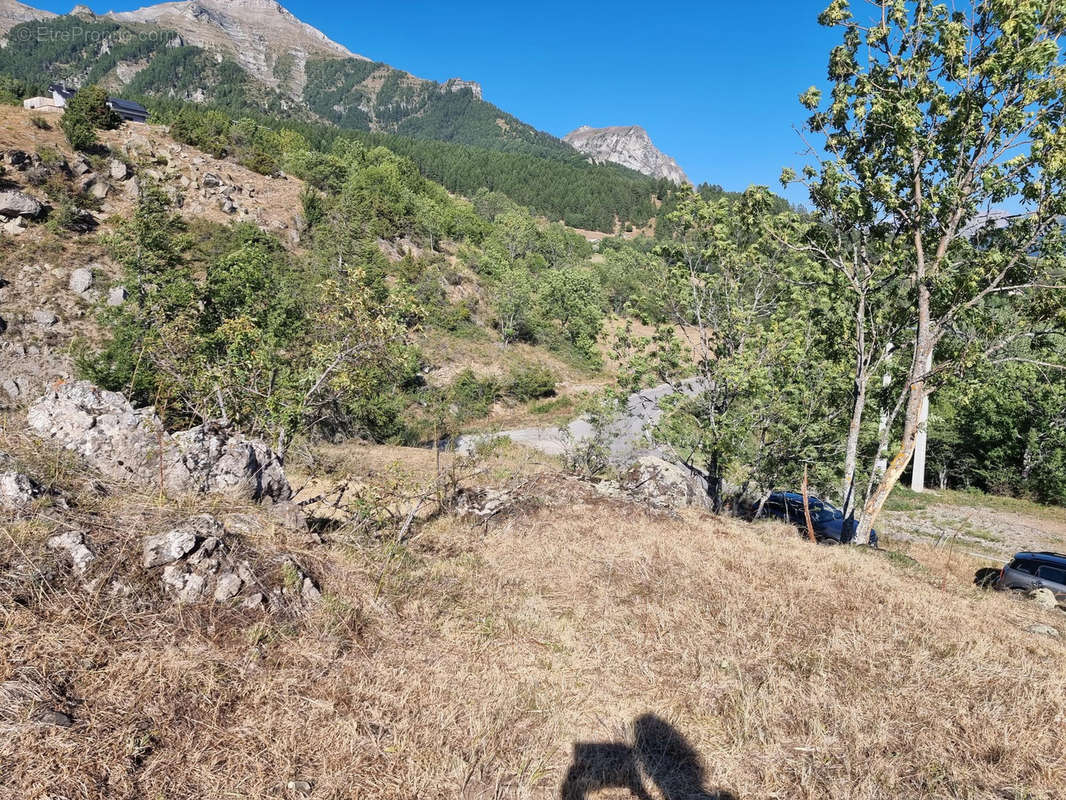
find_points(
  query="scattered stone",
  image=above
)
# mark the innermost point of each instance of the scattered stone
(119, 170)
(116, 296)
(19, 159)
(81, 280)
(19, 204)
(44, 317)
(188, 586)
(11, 388)
(166, 548)
(289, 515)
(662, 484)
(253, 601)
(99, 190)
(227, 206)
(482, 504)
(14, 227)
(211, 180)
(1045, 598)
(1044, 630)
(81, 166)
(227, 586)
(74, 543)
(16, 488)
(300, 786)
(54, 718)
(309, 592)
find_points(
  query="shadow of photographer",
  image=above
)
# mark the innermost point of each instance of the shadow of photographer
(659, 753)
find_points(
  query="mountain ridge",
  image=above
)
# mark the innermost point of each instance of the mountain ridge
(627, 145)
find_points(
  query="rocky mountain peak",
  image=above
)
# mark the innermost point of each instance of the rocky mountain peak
(13, 12)
(627, 145)
(261, 35)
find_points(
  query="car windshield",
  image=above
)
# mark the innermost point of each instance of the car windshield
(823, 512)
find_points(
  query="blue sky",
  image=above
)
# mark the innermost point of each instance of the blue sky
(715, 83)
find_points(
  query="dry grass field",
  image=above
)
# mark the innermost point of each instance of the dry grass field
(576, 647)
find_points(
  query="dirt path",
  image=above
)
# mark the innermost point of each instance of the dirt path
(985, 532)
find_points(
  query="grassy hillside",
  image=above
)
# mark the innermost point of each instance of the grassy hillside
(574, 644)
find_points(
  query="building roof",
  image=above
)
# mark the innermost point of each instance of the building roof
(126, 105)
(62, 90)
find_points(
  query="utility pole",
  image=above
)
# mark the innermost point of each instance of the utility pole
(918, 461)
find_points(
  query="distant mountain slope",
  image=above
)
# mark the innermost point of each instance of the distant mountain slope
(263, 37)
(13, 12)
(253, 55)
(629, 146)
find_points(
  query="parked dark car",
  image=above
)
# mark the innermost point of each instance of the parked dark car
(1029, 571)
(830, 526)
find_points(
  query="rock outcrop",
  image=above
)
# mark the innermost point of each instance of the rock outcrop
(130, 445)
(630, 146)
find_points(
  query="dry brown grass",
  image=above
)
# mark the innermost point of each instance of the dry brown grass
(468, 663)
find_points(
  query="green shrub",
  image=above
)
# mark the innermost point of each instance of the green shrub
(87, 112)
(472, 396)
(258, 161)
(531, 382)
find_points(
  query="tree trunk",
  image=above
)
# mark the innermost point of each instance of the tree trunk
(807, 508)
(917, 394)
(851, 454)
(921, 437)
(714, 483)
(847, 494)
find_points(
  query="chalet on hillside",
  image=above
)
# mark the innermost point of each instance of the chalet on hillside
(127, 109)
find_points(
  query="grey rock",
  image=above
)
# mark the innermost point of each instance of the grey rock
(3, 325)
(44, 317)
(629, 146)
(309, 593)
(211, 180)
(222, 461)
(189, 587)
(1044, 598)
(1044, 630)
(482, 504)
(289, 515)
(55, 718)
(81, 280)
(80, 166)
(17, 489)
(116, 296)
(663, 484)
(300, 786)
(227, 586)
(166, 548)
(119, 171)
(254, 601)
(100, 189)
(14, 227)
(11, 388)
(127, 444)
(75, 545)
(14, 203)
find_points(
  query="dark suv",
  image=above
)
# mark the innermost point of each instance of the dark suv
(1029, 571)
(828, 522)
